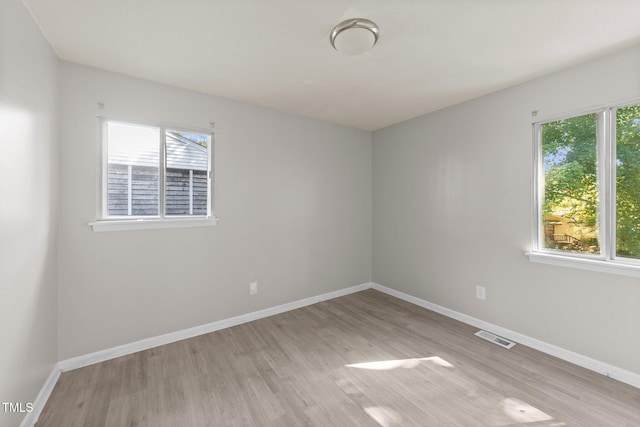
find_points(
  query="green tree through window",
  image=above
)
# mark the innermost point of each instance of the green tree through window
(570, 201)
(588, 200)
(628, 181)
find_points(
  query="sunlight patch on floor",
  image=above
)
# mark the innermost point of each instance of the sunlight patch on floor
(385, 365)
(523, 413)
(384, 416)
(382, 388)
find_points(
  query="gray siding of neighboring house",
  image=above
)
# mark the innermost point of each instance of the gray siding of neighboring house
(177, 192)
(184, 157)
(144, 191)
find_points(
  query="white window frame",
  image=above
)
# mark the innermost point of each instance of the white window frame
(105, 222)
(607, 261)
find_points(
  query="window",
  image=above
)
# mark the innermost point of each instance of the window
(587, 202)
(154, 174)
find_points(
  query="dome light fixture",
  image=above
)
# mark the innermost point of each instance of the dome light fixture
(354, 36)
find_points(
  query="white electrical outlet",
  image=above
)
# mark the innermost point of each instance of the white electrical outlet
(481, 292)
(253, 288)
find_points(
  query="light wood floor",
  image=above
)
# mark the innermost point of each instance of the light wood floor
(365, 359)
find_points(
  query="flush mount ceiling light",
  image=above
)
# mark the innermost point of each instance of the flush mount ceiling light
(354, 36)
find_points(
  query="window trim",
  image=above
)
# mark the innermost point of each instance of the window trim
(104, 222)
(597, 265)
(149, 224)
(607, 261)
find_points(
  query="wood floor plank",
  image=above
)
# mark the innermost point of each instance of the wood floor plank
(366, 359)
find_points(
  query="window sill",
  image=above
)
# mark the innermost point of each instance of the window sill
(598, 265)
(149, 224)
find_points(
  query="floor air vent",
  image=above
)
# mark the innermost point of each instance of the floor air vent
(502, 342)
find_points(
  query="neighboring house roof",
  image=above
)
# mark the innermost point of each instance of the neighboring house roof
(182, 153)
(551, 217)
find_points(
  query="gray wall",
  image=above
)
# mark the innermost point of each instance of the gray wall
(452, 210)
(293, 196)
(28, 211)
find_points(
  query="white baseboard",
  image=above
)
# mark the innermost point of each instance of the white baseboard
(614, 372)
(38, 405)
(123, 350)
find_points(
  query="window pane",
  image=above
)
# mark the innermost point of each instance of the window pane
(133, 156)
(628, 182)
(570, 199)
(186, 176)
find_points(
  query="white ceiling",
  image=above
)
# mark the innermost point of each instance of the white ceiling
(276, 53)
